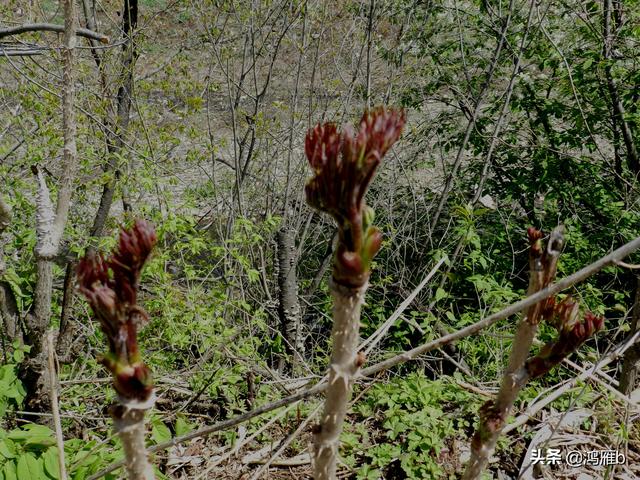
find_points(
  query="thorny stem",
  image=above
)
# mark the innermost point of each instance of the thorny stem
(344, 163)
(130, 426)
(542, 268)
(344, 365)
(572, 333)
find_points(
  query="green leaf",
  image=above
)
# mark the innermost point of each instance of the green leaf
(182, 426)
(440, 294)
(33, 435)
(80, 473)
(159, 431)
(9, 471)
(29, 467)
(253, 274)
(51, 466)
(32, 429)
(7, 374)
(7, 449)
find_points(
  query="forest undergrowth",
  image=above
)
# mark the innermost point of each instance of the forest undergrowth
(517, 117)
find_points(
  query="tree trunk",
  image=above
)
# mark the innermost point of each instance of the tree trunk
(8, 305)
(631, 362)
(35, 375)
(9, 315)
(289, 306)
(50, 228)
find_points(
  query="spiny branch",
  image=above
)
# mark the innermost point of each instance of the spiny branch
(344, 164)
(572, 332)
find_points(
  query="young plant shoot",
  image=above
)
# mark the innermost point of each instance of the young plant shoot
(344, 163)
(573, 331)
(110, 286)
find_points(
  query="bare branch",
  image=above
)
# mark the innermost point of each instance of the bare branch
(50, 27)
(53, 385)
(627, 133)
(473, 120)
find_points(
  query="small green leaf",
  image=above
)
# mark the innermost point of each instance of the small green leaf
(159, 431)
(7, 449)
(80, 473)
(182, 426)
(33, 435)
(440, 294)
(253, 274)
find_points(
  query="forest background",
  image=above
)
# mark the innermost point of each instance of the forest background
(192, 115)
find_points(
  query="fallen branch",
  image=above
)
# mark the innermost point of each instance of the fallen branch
(50, 27)
(283, 446)
(526, 302)
(297, 461)
(20, 52)
(241, 444)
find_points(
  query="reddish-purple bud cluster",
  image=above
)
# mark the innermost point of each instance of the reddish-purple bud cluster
(110, 286)
(344, 163)
(126, 263)
(579, 332)
(534, 234)
(564, 314)
(572, 334)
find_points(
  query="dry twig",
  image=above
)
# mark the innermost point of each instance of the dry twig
(50, 27)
